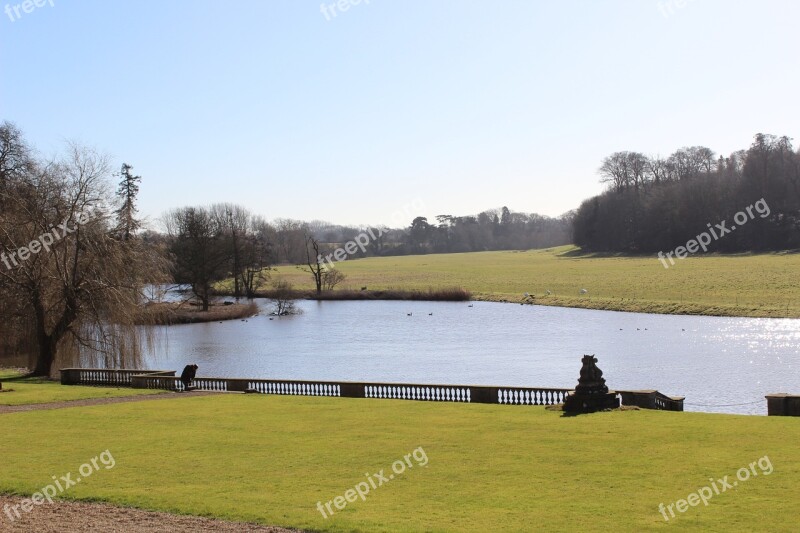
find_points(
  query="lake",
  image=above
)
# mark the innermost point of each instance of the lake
(723, 365)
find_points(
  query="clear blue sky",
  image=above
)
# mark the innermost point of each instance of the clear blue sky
(463, 105)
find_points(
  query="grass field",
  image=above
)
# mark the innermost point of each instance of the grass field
(270, 459)
(744, 285)
(34, 390)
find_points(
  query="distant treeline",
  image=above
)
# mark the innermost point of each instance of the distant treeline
(496, 229)
(283, 241)
(490, 230)
(657, 204)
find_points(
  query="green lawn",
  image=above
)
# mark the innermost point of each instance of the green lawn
(742, 285)
(34, 390)
(270, 459)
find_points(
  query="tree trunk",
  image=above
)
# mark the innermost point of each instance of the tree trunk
(236, 290)
(48, 342)
(44, 362)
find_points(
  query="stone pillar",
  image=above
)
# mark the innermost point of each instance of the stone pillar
(782, 404)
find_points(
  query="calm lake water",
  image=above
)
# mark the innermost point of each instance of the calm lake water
(722, 365)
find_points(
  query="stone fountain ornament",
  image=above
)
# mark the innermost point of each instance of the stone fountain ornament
(591, 394)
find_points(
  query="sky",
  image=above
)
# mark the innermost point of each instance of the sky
(377, 111)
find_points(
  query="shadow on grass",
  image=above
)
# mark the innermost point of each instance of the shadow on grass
(567, 414)
(22, 376)
(579, 253)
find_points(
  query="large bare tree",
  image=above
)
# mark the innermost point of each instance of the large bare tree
(78, 282)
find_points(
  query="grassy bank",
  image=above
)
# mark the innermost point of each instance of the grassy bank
(270, 459)
(759, 285)
(430, 295)
(185, 313)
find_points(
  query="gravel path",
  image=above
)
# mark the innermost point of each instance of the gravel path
(98, 517)
(99, 401)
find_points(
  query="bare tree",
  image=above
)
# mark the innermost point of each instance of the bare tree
(234, 222)
(290, 240)
(315, 262)
(80, 283)
(659, 169)
(331, 278)
(283, 298)
(637, 164)
(615, 171)
(691, 161)
(16, 157)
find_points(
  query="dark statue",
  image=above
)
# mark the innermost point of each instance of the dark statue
(591, 394)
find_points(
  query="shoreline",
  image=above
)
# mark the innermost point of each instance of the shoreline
(624, 305)
(167, 314)
(646, 306)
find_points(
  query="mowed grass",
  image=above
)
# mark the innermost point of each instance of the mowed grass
(763, 285)
(270, 459)
(33, 390)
